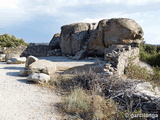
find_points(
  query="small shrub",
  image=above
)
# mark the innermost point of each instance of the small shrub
(136, 72)
(89, 107)
(78, 101)
(150, 54)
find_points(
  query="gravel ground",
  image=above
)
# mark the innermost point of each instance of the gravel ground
(20, 100)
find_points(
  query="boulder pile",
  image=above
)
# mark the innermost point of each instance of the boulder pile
(37, 70)
(116, 39)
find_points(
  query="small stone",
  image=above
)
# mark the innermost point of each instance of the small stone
(70, 57)
(39, 78)
(90, 58)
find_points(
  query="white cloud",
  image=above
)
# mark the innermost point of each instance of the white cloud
(27, 9)
(68, 11)
(9, 4)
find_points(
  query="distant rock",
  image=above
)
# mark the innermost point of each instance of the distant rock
(16, 60)
(115, 31)
(2, 57)
(54, 43)
(30, 60)
(73, 37)
(11, 55)
(42, 66)
(39, 78)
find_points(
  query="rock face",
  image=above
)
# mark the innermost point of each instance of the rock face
(54, 43)
(42, 66)
(73, 37)
(118, 57)
(17, 60)
(30, 60)
(115, 31)
(39, 78)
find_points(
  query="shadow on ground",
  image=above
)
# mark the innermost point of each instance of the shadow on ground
(15, 74)
(13, 68)
(25, 81)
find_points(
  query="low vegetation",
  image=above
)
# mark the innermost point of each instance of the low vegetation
(88, 96)
(10, 41)
(150, 54)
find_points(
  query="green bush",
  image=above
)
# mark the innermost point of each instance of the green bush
(10, 41)
(136, 72)
(150, 54)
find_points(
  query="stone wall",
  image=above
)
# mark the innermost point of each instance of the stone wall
(36, 50)
(32, 49)
(40, 51)
(118, 57)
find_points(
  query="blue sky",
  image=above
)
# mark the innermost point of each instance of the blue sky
(39, 20)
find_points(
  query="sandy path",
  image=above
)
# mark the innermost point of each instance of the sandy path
(20, 100)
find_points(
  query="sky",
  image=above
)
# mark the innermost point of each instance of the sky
(38, 20)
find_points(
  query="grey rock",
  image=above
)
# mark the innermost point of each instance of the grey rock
(80, 55)
(23, 72)
(90, 58)
(39, 78)
(54, 43)
(16, 60)
(120, 57)
(73, 37)
(115, 31)
(146, 90)
(2, 57)
(42, 66)
(11, 55)
(30, 60)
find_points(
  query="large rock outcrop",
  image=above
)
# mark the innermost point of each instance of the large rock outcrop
(115, 31)
(73, 37)
(54, 43)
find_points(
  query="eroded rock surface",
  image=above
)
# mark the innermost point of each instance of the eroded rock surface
(115, 31)
(73, 37)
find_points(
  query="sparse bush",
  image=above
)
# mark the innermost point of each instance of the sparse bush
(89, 107)
(78, 102)
(88, 96)
(10, 41)
(136, 72)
